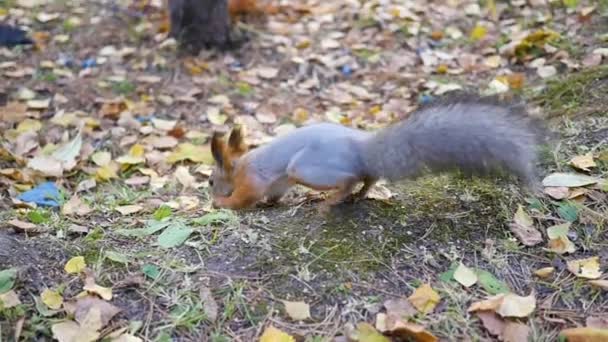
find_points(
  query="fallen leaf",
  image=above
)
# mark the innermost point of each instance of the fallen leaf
(75, 265)
(298, 311)
(523, 227)
(38, 104)
(570, 180)
(272, 334)
(175, 235)
(558, 239)
(424, 298)
(91, 286)
(215, 116)
(267, 72)
(488, 304)
(585, 335)
(70, 331)
(210, 306)
(544, 272)
(194, 153)
(465, 276)
(603, 284)
(585, 268)
(46, 165)
(597, 322)
(52, 299)
(546, 71)
(9, 299)
(101, 158)
(367, 333)
(75, 206)
(85, 305)
(183, 176)
(478, 32)
(129, 209)
(515, 332)
(493, 323)
(7, 279)
(516, 306)
(557, 192)
(409, 332)
(489, 282)
(584, 162)
(22, 225)
(399, 308)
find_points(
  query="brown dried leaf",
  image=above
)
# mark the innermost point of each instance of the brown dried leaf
(523, 227)
(493, 323)
(515, 332)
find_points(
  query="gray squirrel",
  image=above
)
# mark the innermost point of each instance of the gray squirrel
(472, 134)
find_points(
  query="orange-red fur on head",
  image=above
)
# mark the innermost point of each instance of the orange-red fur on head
(225, 154)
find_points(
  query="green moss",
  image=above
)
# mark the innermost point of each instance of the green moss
(575, 92)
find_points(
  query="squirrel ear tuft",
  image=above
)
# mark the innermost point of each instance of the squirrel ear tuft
(218, 148)
(236, 141)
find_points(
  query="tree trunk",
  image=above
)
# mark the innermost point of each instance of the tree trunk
(198, 24)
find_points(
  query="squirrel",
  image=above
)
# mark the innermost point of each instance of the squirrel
(475, 135)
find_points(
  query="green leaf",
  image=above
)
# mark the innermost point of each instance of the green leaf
(37, 216)
(214, 217)
(151, 271)
(448, 275)
(568, 211)
(490, 283)
(162, 212)
(174, 236)
(152, 227)
(570, 3)
(117, 257)
(7, 279)
(43, 309)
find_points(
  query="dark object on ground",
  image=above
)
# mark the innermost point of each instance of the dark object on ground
(199, 24)
(11, 36)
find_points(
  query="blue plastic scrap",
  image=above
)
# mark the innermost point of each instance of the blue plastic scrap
(45, 194)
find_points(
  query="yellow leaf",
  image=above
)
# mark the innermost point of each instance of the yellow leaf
(516, 306)
(478, 32)
(585, 268)
(584, 162)
(585, 335)
(75, 265)
(272, 334)
(489, 304)
(424, 298)
(52, 299)
(106, 172)
(411, 332)
(137, 150)
(195, 153)
(29, 125)
(544, 272)
(91, 286)
(367, 333)
(465, 275)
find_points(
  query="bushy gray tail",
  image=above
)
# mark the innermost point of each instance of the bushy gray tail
(477, 136)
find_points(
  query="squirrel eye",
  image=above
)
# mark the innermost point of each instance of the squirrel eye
(211, 182)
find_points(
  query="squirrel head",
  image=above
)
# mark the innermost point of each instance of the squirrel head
(226, 154)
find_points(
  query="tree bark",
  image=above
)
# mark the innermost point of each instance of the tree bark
(198, 24)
